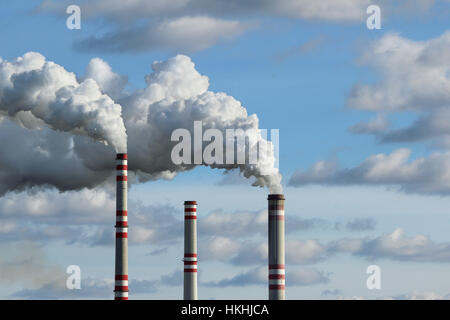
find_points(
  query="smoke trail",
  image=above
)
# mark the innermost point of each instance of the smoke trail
(177, 95)
(36, 94)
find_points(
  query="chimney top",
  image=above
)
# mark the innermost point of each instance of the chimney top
(276, 197)
(121, 156)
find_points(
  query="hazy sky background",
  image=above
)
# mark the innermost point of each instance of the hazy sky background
(364, 150)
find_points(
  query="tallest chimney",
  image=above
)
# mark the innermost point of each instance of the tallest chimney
(190, 250)
(121, 272)
(276, 247)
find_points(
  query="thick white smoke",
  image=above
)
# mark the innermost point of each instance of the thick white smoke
(175, 96)
(53, 95)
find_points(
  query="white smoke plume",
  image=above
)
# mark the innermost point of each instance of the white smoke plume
(175, 96)
(53, 95)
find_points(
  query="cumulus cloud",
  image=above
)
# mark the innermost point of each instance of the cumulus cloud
(47, 214)
(414, 75)
(421, 175)
(248, 224)
(304, 252)
(413, 78)
(396, 246)
(218, 248)
(258, 276)
(250, 252)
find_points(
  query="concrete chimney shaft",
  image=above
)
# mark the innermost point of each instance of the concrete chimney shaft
(276, 247)
(121, 267)
(190, 250)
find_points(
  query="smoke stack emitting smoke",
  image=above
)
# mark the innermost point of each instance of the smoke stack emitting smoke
(121, 270)
(276, 247)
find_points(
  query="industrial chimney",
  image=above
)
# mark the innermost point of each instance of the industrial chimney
(276, 247)
(121, 272)
(190, 250)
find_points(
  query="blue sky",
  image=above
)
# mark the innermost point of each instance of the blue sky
(297, 72)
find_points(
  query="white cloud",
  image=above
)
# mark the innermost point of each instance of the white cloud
(376, 125)
(420, 175)
(198, 24)
(186, 34)
(248, 224)
(395, 246)
(305, 277)
(218, 248)
(414, 75)
(258, 276)
(119, 11)
(304, 252)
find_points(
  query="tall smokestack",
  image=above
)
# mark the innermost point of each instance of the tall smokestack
(190, 250)
(121, 272)
(276, 247)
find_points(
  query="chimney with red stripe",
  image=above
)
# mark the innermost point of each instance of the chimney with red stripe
(190, 250)
(276, 247)
(121, 272)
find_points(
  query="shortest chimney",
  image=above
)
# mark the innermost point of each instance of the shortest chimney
(276, 247)
(190, 250)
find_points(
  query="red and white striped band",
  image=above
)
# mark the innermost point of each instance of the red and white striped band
(276, 213)
(277, 277)
(190, 210)
(121, 287)
(121, 283)
(190, 262)
(121, 218)
(121, 296)
(121, 229)
(122, 167)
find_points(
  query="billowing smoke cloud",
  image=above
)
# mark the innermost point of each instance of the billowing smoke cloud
(54, 96)
(177, 95)
(38, 94)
